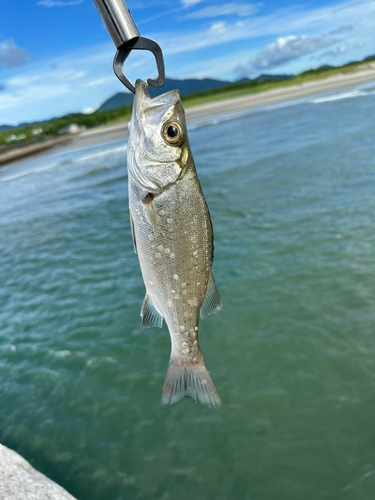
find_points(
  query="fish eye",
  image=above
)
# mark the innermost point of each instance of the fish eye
(172, 133)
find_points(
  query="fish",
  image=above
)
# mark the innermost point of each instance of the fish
(173, 238)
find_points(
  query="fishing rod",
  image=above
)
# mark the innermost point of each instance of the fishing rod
(125, 35)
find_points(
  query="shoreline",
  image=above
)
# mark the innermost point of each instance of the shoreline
(202, 111)
(13, 153)
(281, 94)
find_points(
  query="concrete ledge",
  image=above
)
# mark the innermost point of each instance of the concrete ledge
(20, 481)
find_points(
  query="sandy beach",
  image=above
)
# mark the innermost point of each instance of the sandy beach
(224, 106)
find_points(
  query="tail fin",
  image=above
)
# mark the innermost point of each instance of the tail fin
(186, 379)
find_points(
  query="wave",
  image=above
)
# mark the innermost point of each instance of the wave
(30, 171)
(341, 95)
(93, 171)
(359, 91)
(102, 153)
(113, 180)
(65, 161)
(215, 120)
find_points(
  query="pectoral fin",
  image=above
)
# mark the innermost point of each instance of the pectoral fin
(150, 315)
(133, 233)
(149, 205)
(212, 302)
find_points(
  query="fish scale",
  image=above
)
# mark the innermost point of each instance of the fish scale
(173, 239)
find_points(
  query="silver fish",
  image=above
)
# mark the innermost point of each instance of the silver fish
(173, 238)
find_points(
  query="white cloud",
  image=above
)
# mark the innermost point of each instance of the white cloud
(342, 29)
(163, 13)
(287, 48)
(67, 75)
(226, 9)
(12, 56)
(220, 67)
(217, 33)
(342, 48)
(58, 86)
(281, 22)
(57, 3)
(24, 79)
(99, 81)
(189, 3)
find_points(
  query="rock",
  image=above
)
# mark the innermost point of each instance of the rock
(20, 481)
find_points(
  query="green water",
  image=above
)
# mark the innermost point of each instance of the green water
(292, 198)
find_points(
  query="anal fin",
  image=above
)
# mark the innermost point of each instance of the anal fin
(150, 315)
(212, 302)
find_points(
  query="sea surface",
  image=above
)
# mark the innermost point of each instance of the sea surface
(291, 190)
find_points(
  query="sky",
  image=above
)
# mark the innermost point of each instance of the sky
(56, 55)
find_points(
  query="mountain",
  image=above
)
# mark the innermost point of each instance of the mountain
(189, 86)
(6, 127)
(119, 100)
(262, 78)
(186, 87)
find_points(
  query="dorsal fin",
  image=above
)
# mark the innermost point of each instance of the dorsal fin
(150, 315)
(212, 302)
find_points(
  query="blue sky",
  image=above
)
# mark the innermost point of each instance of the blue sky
(56, 55)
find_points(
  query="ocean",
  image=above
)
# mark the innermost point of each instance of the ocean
(290, 188)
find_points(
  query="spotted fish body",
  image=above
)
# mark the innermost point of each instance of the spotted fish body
(173, 238)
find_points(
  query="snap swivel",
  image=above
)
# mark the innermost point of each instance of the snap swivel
(126, 37)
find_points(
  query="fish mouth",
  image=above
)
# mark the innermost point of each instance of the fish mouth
(143, 101)
(141, 95)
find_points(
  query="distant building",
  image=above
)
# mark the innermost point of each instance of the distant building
(72, 128)
(13, 137)
(36, 131)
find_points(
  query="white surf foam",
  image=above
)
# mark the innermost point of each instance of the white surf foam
(52, 165)
(205, 122)
(24, 173)
(358, 91)
(338, 96)
(102, 153)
